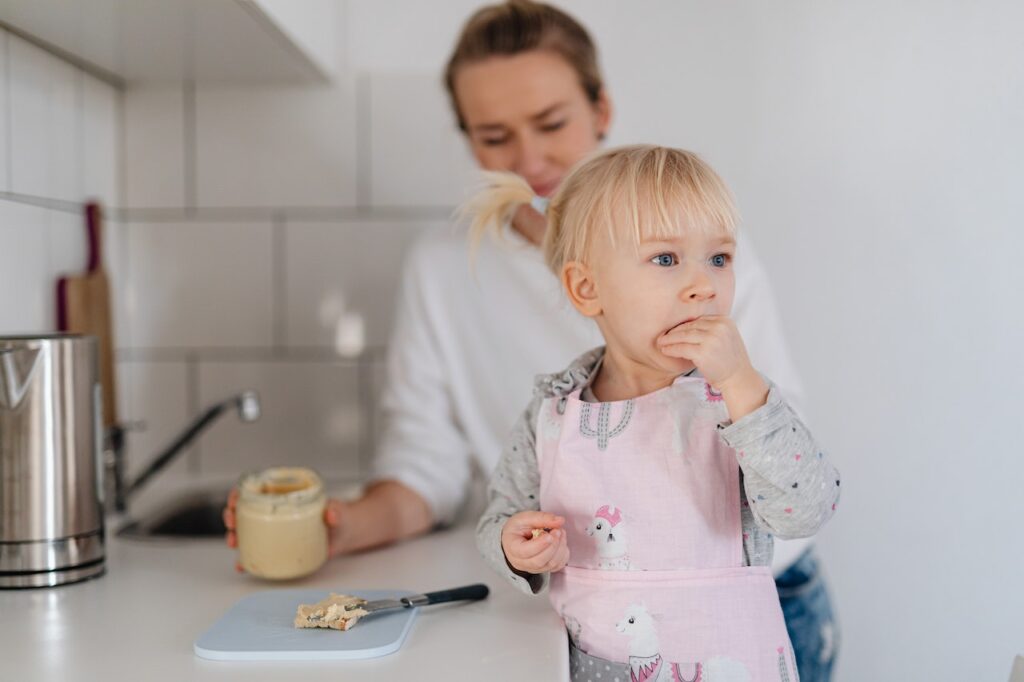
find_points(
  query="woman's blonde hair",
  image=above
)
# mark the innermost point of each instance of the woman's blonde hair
(518, 26)
(659, 191)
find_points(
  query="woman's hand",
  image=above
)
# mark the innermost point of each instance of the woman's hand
(529, 223)
(334, 513)
(714, 344)
(545, 553)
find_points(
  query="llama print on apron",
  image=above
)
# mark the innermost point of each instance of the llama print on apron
(656, 580)
(609, 533)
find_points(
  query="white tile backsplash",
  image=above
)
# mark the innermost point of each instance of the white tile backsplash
(153, 403)
(100, 141)
(25, 293)
(69, 244)
(276, 147)
(200, 285)
(116, 244)
(45, 126)
(154, 147)
(311, 416)
(421, 159)
(336, 269)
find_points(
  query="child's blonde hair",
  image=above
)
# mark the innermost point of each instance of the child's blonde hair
(664, 191)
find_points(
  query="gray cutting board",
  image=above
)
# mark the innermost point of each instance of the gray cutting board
(260, 628)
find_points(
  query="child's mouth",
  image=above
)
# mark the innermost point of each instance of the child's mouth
(680, 324)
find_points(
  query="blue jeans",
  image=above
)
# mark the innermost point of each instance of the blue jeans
(809, 619)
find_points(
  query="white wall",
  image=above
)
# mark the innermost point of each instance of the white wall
(59, 146)
(882, 182)
(874, 148)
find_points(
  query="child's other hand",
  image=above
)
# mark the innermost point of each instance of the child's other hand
(525, 553)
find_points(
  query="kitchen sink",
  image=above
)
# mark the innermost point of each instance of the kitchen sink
(197, 515)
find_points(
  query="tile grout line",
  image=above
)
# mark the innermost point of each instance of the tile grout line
(279, 284)
(80, 124)
(189, 141)
(315, 354)
(8, 109)
(62, 205)
(364, 153)
(267, 213)
(122, 151)
(192, 409)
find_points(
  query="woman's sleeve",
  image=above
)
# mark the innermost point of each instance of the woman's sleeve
(422, 445)
(756, 315)
(514, 487)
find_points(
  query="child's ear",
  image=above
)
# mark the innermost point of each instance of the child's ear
(579, 285)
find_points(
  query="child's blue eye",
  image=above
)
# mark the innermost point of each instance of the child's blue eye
(720, 260)
(664, 259)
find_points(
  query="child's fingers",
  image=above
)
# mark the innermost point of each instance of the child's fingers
(560, 557)
(682, 334)
(687, 351)
(544, 556)
(531, 550)
(523, 523)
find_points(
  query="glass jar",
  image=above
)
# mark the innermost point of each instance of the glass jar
(279, 521)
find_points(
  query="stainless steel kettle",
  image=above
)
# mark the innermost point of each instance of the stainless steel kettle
(51, 507)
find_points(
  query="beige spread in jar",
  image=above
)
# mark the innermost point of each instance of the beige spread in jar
(279, 521)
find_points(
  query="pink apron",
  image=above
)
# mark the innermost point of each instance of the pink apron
(655, 576)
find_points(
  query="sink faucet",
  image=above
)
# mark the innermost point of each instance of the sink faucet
(247, 405)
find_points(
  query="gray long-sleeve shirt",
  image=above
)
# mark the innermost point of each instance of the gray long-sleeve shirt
(781, 495)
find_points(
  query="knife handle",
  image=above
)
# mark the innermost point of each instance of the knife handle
(470, 592)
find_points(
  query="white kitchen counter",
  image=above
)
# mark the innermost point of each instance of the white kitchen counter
(139, 620)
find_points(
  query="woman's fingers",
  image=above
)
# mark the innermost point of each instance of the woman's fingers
(228, 516)
(333, 513)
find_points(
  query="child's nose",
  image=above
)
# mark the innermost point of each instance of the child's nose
(698, 288)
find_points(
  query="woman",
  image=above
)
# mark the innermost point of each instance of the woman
(527, 92)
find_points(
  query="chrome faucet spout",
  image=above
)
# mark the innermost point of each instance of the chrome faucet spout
(245, 404)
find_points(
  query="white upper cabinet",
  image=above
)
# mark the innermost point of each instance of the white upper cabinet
(210, 42)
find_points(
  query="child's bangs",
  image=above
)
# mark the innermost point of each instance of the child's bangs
(675, 194)
(638, 194)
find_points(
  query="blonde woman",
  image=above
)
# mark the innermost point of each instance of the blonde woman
(527, 92)
(666, 443)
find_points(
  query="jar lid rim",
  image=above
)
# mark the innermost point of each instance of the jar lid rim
(258, 485)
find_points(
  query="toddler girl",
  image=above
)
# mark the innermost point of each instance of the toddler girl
(648, 479)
